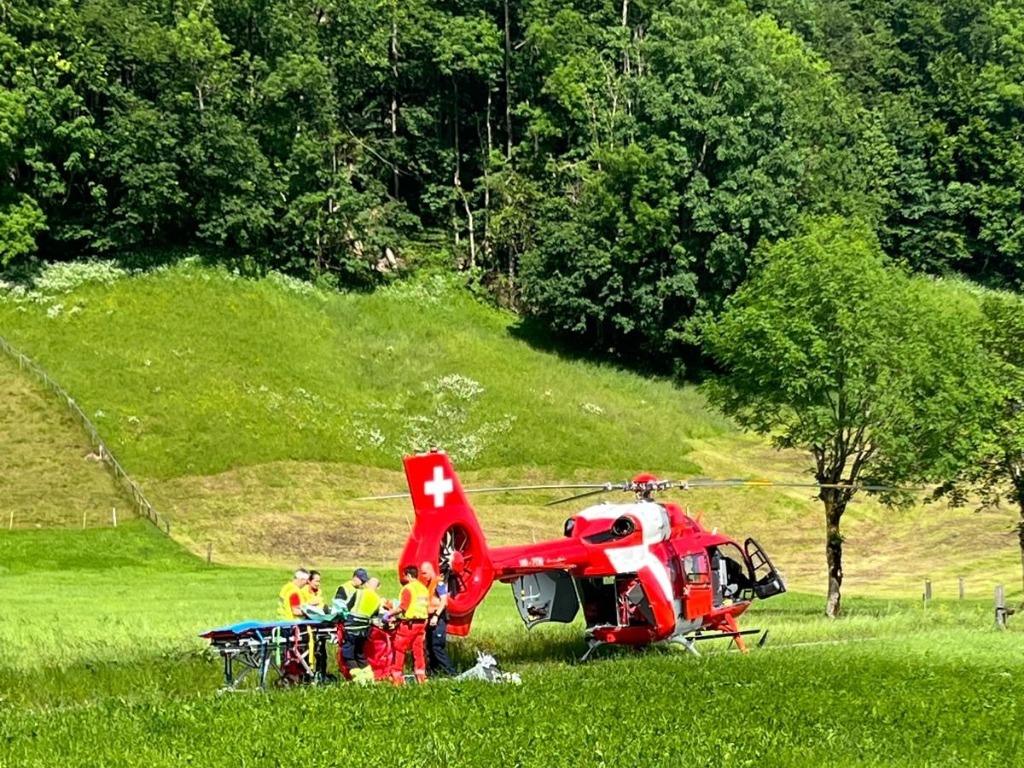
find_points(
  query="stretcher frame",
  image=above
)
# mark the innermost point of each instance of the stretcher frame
(269, 649)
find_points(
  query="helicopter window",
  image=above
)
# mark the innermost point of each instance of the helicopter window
(696, 568)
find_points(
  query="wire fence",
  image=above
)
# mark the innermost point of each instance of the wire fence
(142, 505)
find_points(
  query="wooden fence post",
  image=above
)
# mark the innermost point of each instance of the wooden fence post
(927, 590)
(1000, 606)
(961, 581)
(209, 553)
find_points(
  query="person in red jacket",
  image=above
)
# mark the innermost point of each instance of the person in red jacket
(412, 624)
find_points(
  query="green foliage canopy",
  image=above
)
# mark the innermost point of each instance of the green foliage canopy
(728, 131)
(881, 378)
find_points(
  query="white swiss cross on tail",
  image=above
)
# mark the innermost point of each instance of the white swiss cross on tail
(439, 487)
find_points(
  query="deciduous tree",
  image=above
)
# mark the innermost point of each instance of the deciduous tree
(996, 469)
(879, 377)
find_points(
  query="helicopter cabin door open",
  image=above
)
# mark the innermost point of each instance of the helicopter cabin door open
(615, 601)
(767, 581)
(546, 596)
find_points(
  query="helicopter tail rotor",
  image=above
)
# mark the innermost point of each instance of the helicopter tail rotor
(446, 533)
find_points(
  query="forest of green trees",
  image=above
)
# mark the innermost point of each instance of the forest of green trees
(607, 168)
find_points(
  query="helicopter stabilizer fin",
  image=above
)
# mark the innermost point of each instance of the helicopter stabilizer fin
(446, 532)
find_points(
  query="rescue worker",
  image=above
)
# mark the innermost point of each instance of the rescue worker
(347, 591)
(412, 623)
(313, 598)
(311, 594)
(365, 608)
(346, 595)
(290, 597)
(437, 622)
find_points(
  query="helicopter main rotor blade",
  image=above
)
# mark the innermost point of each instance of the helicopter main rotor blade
(660, 485)
(602, 489)
(498, 489)
(760, 483)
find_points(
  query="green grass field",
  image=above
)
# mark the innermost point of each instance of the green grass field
(45, 478)
(254, 413)
(100, 665)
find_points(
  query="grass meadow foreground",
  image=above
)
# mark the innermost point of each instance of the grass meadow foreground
(100, 666)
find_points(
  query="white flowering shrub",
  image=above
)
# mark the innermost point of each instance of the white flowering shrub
(439, 414)
(454, 386)
(59, 279)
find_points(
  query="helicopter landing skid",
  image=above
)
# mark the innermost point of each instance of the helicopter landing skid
(592, 645)
(686, 642)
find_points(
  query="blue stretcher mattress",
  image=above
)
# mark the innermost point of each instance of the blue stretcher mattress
(252, 626)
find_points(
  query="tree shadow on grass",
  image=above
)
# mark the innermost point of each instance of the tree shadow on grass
(540, 337)
(687, 368)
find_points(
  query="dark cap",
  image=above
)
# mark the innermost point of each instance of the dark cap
(361, 574)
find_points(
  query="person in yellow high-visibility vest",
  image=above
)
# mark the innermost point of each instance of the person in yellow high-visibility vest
(347, 590)
(412, 625)
(312, 597)
(365, 608)
(289, 599)
(310, 592)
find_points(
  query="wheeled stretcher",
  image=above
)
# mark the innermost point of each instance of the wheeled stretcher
(280, 651)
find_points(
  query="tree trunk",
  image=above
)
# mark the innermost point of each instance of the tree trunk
(393, 53)
(625, 48)
(834, 508)
(470, 223)
(1020, 540)
(457, 182)
(486, 245)
(508, 84)
(1017, 476)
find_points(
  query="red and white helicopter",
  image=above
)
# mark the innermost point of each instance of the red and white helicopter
(644, 571)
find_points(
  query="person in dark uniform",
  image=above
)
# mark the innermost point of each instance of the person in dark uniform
(438, 662)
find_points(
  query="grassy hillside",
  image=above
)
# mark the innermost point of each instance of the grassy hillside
(45, 477)
(253, 413)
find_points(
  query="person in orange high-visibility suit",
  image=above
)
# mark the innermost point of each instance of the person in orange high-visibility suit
(412, 626)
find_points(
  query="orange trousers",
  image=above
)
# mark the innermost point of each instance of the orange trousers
(410, 635)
